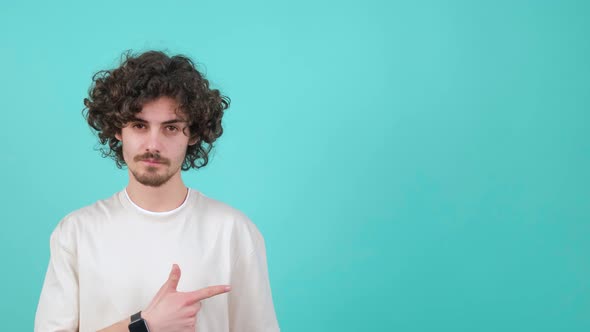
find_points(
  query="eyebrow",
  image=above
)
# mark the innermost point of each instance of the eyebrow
(165, 122)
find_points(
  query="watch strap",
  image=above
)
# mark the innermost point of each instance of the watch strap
(138, 324)
(136, 316)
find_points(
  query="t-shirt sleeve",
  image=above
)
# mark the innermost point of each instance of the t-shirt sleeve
(251, 306)
(58, 304)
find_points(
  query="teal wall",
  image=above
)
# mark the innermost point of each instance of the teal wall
(413, 165)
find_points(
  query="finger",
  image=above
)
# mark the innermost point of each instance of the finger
(166, 287)
(207, 292)
(173, 278)
(171, 283)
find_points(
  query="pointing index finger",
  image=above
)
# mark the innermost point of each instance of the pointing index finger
(207, 292)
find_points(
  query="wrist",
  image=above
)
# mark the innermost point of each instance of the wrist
(146, 314)
(149, 319)
(138, 323)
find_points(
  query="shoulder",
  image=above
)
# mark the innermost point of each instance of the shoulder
(224, 215)
(93, 212)
(70, 226)
(221, 211)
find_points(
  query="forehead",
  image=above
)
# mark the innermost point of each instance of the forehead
(160, 110)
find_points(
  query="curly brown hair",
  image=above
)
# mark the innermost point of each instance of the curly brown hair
(116, 95)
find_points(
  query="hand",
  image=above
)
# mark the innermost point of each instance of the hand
(174, 311)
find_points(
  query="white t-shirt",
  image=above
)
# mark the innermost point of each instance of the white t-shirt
(109, 259)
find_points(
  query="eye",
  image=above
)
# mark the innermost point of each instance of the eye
(172, 128)
(138, 126)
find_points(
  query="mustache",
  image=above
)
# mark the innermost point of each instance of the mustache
(151, 156)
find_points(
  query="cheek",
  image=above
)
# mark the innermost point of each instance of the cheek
(127, 156)
(178, 150)
(126, 150)
(130, 147)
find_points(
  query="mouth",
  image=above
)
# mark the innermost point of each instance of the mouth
(152, 162)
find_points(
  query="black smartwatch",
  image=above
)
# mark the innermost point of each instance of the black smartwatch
(138, 324)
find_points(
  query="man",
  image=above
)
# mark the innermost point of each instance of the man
(116, 265)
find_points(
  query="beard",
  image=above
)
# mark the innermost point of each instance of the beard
(151, 176)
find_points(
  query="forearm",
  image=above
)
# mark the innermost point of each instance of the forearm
(122, 326)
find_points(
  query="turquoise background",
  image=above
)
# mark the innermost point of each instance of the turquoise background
(413, 165)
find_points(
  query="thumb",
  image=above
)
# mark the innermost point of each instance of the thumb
(173, 278)
(170, 284)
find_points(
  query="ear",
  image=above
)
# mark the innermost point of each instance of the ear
(118, 136)
(193, 141)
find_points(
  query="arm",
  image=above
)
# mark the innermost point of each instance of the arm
(122, 326)
(58, 304)
(58, 308)
(171, 310)
(251, 306)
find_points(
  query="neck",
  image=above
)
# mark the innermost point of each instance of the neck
(164, 198)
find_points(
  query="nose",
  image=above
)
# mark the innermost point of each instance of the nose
(153, 141)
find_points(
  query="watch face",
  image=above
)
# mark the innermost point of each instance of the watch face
(138, 326)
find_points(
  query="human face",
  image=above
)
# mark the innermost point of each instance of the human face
(155, 142)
